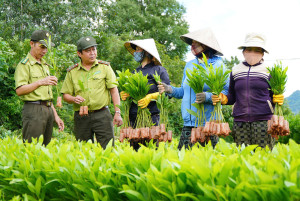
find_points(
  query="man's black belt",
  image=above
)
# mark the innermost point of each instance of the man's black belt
(94, 111)
(105, 107)
(40, 102)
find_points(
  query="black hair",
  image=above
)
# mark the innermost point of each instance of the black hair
(209, 53)
(79, 56)
(148, 55)
(133, 46)
(244, 48)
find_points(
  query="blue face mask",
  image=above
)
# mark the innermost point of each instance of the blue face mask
(139, 56)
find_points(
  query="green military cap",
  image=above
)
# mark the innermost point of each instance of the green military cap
(41, 36)
(86, 42)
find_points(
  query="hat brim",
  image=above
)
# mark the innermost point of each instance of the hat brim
(205, 37)
(45, 44)
(130, 46)
(88, 47)
(187, 40)
(254, 45)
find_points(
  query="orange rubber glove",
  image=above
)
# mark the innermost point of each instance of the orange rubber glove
(124, 95)
(222, 97)
(278, 99)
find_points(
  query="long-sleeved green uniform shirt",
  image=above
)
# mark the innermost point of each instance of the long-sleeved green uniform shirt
(96, 84)
(29, 70)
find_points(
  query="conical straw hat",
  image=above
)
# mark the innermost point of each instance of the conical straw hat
(204, 36)
(146, 44)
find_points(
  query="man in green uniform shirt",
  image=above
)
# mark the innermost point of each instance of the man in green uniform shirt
(34, 86)
(92, 83)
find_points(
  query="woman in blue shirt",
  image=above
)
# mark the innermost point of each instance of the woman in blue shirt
(201, 41)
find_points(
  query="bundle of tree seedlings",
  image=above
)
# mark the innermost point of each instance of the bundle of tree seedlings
(83, 84)
(145, 133)
(83, 110)
(165, 133)
(137, 86)
(196, 81)
(278, 126)
(53, 68)
(216, 78)
(122, 79)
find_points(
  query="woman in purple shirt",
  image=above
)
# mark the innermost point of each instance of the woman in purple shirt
(250, 93)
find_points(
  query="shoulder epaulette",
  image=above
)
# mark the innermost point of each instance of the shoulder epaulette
(103, 62)
(72, 67)
(24, 61)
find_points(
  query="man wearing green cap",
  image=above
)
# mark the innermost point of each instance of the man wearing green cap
(92, 83)
(34, 86)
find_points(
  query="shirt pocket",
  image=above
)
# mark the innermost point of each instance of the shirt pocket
(36, 76)
(77, 89)
(98, 80)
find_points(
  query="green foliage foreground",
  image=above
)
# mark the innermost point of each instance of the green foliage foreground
(83, 171)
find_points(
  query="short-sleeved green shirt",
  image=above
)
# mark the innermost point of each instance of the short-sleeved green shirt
(29, 70)
(97, 84)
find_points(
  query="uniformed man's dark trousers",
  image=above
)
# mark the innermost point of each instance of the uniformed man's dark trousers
(96, 123)
(37, 120)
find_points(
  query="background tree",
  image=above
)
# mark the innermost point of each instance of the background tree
(66, 20)
(159, 19)
(173, 65)
(232, 62)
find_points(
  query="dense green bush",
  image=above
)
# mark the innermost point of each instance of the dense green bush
(10, 105)
(175, 119)
(8, 133)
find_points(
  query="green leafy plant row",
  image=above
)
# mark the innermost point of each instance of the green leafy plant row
(67, 170)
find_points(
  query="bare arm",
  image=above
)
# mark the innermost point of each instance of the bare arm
(115, 97)
(116, 101)
(58, 120)
(28, 88)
